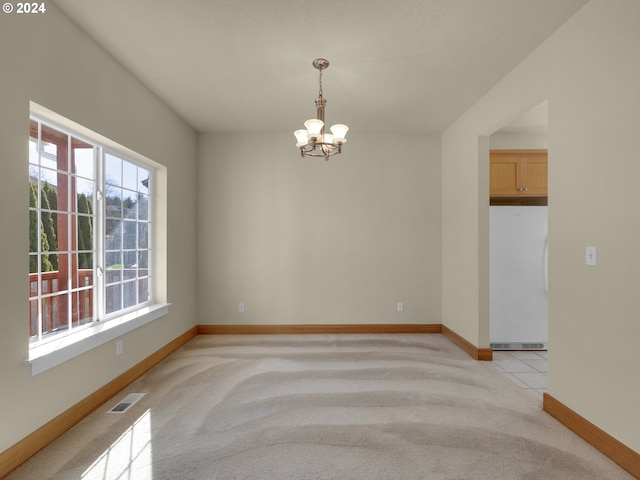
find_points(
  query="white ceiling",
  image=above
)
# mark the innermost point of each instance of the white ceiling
(245, 65)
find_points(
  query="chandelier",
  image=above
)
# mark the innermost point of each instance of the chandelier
(312, 140)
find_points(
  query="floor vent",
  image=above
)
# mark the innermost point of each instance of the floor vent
(126, 402)
(518, 346)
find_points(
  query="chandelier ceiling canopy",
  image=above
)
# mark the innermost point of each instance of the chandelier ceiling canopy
(312, 140)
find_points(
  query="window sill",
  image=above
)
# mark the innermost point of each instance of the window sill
(55, 352)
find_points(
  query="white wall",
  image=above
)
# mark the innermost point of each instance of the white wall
(518, 141)
(309, 241)
(590, 72)
(47, 59)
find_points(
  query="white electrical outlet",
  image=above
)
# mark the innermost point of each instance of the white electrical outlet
(119, 347)
(592, 256)
(401, 307)
(241, 307)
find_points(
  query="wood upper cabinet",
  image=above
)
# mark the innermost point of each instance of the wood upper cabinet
(518, 173)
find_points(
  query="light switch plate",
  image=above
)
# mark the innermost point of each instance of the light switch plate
(592, 256)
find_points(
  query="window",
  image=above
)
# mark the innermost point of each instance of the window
(90, 233)
(126, 234)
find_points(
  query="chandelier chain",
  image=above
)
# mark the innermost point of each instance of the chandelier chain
(320, 93)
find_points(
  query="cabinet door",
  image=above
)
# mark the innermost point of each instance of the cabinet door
(503, 175)
(535, 172)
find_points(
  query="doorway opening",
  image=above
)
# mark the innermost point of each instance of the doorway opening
(518, 254)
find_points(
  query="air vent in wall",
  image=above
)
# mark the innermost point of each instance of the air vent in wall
(126, 402)
(518, 346)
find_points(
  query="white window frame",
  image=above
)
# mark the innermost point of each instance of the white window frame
(104, 328)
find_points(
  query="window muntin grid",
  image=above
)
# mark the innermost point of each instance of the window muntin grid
(127, 230)
(71, 282)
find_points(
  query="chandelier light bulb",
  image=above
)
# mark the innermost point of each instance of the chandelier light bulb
(302, 137)
(314, 127)
(339, 131)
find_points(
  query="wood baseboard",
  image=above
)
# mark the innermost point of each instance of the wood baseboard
(611, 447)
(484, 354)
(14, 456)
(317, 329)
(475, 352)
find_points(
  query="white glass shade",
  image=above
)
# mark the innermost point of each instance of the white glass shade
(314, 126)
(339, 132)
(302, 137)
(328, 138)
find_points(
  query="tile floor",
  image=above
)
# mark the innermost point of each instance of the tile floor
(527, 369)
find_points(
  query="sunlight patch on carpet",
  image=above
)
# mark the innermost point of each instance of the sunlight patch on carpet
(128, 457)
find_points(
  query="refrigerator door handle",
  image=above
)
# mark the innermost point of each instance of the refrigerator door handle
(545, 266)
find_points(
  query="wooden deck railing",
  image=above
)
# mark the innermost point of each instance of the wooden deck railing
(55, 307)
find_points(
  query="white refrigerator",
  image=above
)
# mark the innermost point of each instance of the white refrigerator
(518, 278)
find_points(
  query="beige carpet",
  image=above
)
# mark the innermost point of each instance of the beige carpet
(322, 407)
